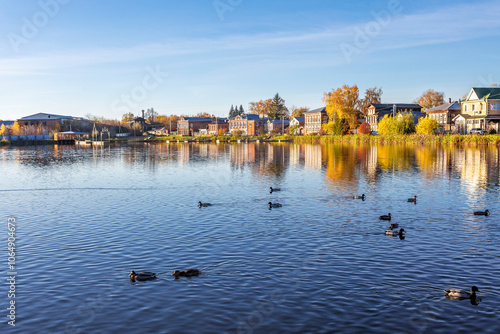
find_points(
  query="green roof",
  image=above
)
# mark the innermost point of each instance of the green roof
(492, 93)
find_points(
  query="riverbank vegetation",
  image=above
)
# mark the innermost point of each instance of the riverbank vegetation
(414, 138)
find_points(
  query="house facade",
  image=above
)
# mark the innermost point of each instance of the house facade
(51, 121)
(248, 124)
(188, 126)
(277, 125)
(297, 125)
(377, 111)
(444, 114)
(218, 124)
(314, 119)
(481, 110)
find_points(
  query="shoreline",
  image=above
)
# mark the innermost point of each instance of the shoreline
(449, 139)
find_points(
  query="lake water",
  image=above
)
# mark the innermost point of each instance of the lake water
(319, 264)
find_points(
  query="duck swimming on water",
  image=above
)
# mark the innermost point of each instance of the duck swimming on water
(395, 233)
(482, 213)
(274, 205)
(412, 200)
(393, 226)
(462, 294)
(273, 189)
(186, 273)
(385, 217)
(203, 205)
(142, 276)
(362, 197)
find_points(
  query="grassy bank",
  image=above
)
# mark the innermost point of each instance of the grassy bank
(412, 138)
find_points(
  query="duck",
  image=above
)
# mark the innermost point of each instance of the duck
(359, 197)
(462, 294)
(274, 205)
(186, 273)
(203, 205)
(273, 189)
(142, 276)
(385, 217)
(393, 226)
(482, 213)
(412, 200)
(395, 233)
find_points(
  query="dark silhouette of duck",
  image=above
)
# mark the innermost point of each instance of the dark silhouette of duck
(393, 226)
(482, 213)
(273, 189)
(186, 273)
(203, 205)
(412, 200)
(395, 233)
(274, 205)
(362, 197)
(385, 217)
(142, 276)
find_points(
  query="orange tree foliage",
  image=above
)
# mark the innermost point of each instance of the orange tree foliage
(299, 112)
(261, 107)
(342, 103)
(430, 98)
(365, 128)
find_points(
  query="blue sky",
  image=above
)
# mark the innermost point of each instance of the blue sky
(105, 58)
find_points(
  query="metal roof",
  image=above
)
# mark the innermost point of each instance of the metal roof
(197, 119)
(316, 110)
(45, 116)
(446, 106)
(492, 93)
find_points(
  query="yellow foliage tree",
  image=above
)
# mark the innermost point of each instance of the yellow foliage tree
(426, 125)
(16, 129)
(3, 130)
(342, 103)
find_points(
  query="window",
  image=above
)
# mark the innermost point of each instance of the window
(473, 107)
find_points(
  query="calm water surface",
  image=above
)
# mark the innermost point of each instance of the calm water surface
(319, 264)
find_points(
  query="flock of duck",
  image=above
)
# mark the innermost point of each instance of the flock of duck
(451, 293)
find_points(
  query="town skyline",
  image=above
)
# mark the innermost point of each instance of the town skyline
(107, 59)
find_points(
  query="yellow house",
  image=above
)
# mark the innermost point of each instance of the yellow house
(481, 109)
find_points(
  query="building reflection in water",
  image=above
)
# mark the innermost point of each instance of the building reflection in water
(344, 165)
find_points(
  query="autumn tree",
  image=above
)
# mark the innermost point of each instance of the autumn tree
(16, 129)
(150, 115)
(3, 130)
(373, 95)
(364, 129)
(277, 108)
(429, 99)
(128, 117)
(342, 103)
(299, 112)
(426, 125)
(261, 107)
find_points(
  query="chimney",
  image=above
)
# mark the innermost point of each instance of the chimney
(143, 113)
(449, 99)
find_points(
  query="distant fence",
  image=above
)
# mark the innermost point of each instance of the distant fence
(26, 137)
